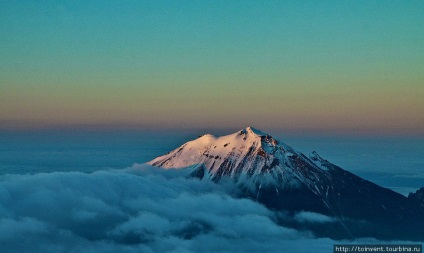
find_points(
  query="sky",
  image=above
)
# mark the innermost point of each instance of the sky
(326, 66)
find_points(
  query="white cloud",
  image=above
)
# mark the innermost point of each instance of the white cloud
(13, 228)
(142, 209)
(310, 217)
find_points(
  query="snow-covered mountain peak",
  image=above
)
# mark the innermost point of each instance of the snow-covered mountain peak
(248, 153)
(253, 131)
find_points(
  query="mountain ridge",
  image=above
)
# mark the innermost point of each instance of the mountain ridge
(274, 174)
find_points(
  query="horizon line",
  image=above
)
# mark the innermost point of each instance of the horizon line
(357, 131)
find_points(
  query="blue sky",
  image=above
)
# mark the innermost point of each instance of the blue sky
(327, 65)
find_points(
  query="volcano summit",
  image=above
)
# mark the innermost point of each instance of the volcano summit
(284, 180)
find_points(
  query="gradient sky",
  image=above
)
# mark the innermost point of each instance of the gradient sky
(305, 65)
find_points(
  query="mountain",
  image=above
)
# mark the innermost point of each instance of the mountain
(284, 180)
(418, 196)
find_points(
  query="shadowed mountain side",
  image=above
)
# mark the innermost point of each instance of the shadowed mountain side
(418, 196)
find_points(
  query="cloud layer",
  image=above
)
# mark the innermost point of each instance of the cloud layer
(142, 209)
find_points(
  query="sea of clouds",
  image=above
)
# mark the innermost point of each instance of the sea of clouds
(141, 209)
